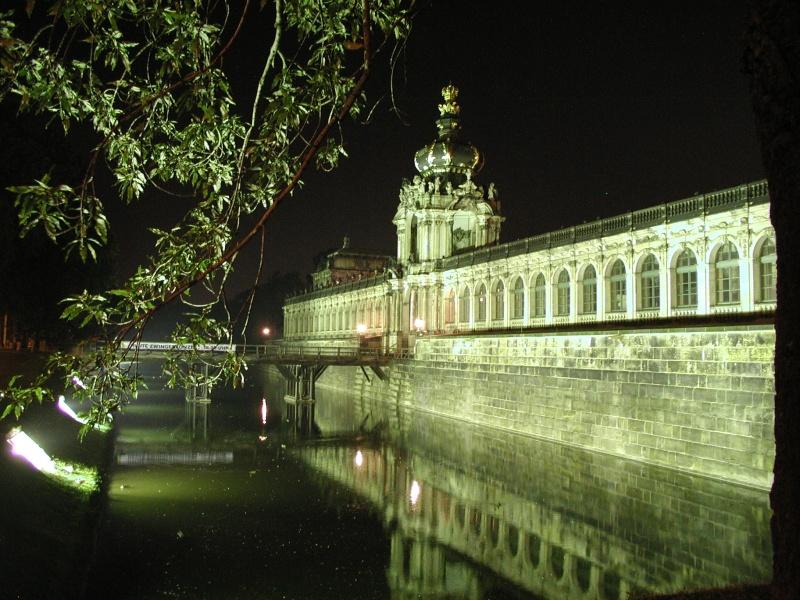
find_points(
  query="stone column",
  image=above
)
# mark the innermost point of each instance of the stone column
(746, 294)
(665, 280)
(631, 289)
(704, 299)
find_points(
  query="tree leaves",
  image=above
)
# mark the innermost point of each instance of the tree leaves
(147, 77)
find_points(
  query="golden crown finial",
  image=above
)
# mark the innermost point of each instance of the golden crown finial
(449, 106)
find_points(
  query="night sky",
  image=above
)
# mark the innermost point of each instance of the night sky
(582, 110)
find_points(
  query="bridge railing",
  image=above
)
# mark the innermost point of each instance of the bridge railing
(306, 352)
(277, 351)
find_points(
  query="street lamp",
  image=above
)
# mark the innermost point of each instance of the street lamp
(419, 325)
(361, 329)
(265, 331)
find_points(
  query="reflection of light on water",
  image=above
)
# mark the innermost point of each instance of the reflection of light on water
(24, 446)
(175, 458)
(414, 493)
(263, 411)
(359, 459)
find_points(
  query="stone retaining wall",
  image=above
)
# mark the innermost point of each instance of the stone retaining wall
(695, 399)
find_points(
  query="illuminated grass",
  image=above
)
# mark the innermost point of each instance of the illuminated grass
(76, 476)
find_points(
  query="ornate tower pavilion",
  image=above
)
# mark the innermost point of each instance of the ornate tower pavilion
(443, 211)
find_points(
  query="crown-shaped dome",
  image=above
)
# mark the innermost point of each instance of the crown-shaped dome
(448, 157)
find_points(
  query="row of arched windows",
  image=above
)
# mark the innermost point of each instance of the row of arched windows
(582, 292)
(342, 317)
(725, 286)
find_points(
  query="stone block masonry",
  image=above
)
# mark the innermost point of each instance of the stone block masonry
(695, 399)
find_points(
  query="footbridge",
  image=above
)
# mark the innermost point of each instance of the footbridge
(301, 365)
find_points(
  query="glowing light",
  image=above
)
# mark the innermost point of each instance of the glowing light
(419, 324)
(265, 331)
(262, 438)
(359, 459)
(25, 447)
(413, 495)
(76, 381)
(361, 329)
(263, 411)
(64, 408)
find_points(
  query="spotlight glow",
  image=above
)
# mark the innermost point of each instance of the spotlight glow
(359, 459)
(413, 495)
(22, 445)
(65, 408)
(263, 411)
(361, 329)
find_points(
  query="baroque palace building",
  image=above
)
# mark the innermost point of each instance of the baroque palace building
(704, 255)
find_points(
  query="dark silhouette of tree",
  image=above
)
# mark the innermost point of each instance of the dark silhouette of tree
(772, 60)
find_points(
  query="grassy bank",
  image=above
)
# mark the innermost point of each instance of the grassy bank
(48, 522)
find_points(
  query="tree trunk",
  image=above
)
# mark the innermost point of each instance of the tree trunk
(772, 61)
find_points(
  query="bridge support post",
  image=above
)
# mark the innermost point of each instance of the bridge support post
(198, 396)
(300, 397)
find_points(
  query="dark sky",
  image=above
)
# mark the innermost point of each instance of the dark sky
(582, 109)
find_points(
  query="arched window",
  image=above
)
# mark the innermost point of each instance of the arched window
(649, 284)
(589, 291)
(498, 301)
(562, 294)
(480, 304)
(686, 280)
(538, 296)
(726, 274)
(450, 307)
(617, 299)
(518, 299)
(765, 271)
(463, 305)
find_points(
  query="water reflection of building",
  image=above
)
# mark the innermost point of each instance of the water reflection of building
(577, 525)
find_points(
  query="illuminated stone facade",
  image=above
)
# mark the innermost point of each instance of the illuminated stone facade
(619, 335)
(704, 255)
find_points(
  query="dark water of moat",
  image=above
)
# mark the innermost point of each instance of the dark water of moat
(381, 503)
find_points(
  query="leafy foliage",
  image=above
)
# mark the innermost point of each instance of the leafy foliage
(149, 80)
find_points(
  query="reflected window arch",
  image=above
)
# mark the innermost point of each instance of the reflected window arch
(726, 275)
(518, 299)
(450, 307)
(562, 294)
(766, 259)
(617, 287)
(650, 284)
(686, 280)
(463, 305)
(480, 303)
(498, 301)
(588, 294)
(538, 297)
